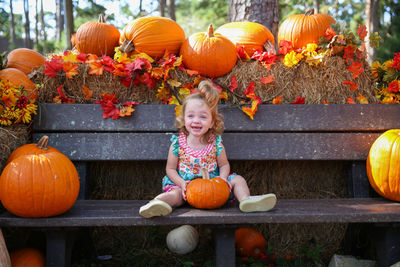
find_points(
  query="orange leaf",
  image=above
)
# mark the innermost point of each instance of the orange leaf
(157, 73)
(87, 92)
(242, 52)
(329, 33)
(277, 100)
(353, 86)
(126, 111)
(326, 102)
(362, 99)
(268, 79)
(233, 84)
(70, 69)
(192, 72)
(96, 67)
(285, 47)
(250, 111)
(350, 100)
(362, 31)
(356, 69)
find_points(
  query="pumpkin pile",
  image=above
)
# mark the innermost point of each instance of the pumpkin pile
(38, 181)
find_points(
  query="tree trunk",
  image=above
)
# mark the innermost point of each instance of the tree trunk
(69, 23)
(12, 24)
(59, 20)
(4, 255)
(171, 9)
(43, 28)
(27, 25)
(316, 6)
(262, 11)
(372, 23)
(36, 23)
(162, 7)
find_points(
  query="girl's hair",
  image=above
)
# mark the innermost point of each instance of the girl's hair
(210, 95)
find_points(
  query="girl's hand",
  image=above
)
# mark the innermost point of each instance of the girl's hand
(183, 188)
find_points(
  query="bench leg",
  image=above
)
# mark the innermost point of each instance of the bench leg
(387, 244)
(59, 247)
(225, 253)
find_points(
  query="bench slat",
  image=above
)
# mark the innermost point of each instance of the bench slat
(269, 118)
(89, 213)
(252, 146)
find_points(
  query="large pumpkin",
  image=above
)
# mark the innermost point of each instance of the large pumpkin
(302, 29)
(249, 242)
(27, 257)
(210, 54)
(25, 59)
(152, 35)
(19, 78)
(251, 35)
(383, 165)
(39, 184)
(206, 193)
(97, 38)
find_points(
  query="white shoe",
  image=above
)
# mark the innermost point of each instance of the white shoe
(258, 203)
(155, 207)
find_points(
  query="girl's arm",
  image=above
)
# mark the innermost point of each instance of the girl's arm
(172, 163)
(223, 164)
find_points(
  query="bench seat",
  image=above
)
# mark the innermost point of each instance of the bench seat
(88, 213)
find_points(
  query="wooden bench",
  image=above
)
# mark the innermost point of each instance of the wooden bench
(278, 132)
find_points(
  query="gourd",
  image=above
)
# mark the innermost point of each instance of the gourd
(19, 78)
(206, 193)
(152, 35)
(25, 59)
(27, 257)
(383, 165)
(251, 35)
(302, 29)
(39, 184)
(249, 242)
(97, 37)
(183, 239)
(210, 54)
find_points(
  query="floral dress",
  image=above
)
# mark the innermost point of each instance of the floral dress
(190, 161)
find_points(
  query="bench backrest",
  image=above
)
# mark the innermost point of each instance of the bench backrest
(278, 132)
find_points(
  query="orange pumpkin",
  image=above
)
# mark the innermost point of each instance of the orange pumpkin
(18, 78)
(152, 35)
(302, 29)
(210, 54)
(97, 38)
(25, 59)
(206, 193)
(383, 165)
(251, 35)
(249, 242)
(39, 184)
(27, 257)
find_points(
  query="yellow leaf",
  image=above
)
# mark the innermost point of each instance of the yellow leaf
(70, 57)
(174, 83)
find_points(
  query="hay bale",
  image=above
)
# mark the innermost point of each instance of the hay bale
(12, 137)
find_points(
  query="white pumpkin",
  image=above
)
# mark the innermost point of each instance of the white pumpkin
(183, 239)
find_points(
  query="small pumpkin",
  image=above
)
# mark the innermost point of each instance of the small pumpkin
(383, 165)
(39, 184)
(97, 37)
(25, 59)
(251, 35)
(210, 54)
(19, 78)
(182, 240)
(249, 242)
(27, 257)
(206, 193)
(302, 29)
(152, 35)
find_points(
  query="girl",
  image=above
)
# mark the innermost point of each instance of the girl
(200, 145)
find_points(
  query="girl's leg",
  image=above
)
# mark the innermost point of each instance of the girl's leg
(162, 204)
(239, 188)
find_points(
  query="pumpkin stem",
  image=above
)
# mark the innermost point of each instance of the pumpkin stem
(205, 174)
(102, 19)
(210, 31)
(42, 144)
(127, 46)
(310, 12)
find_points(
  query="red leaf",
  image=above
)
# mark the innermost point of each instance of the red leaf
(348, 54)
(350, 100)
(285, 47)
(250, 90)
(267, 79)
(362, 31)
(356, 69)
(233, 84)
(138, 64)
(81, 57)
(242, 52)
(299, 100)
(52, 67)
(329, 33)
(353, 86)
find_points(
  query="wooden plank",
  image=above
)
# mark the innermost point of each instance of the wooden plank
(88, 213)
(239, 146)
(269, 118)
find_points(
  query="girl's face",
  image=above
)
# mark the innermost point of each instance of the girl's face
(198, 118)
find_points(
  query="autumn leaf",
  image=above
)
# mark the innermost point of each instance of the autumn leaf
(81, 57)
(119, 70)
(70, 57)
(267, 79)
(192, 72)
(138, 64)
(87, 92)
(326, 102)
(242, 52)
(92, 57)
(361, 99)
(107, 104)
(329, 33)
(70, 69)
(250, 90)
(62, 98)
(350, 100)
(96, 67)
(251, 111)
(374, 39)
(291, 59)
(233, 84)
(362, 31)
(394, 86)
(285, 47)
(356, 69)
(174, 83)
(348, 54)
(157, 73)
(9, 99)
(299, 100)
(107, 63)
(353, 86)
(52, 67)
(146, 79)
(277, 100)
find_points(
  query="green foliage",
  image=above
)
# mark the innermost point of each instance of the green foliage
(90, 13)
(391, 35)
